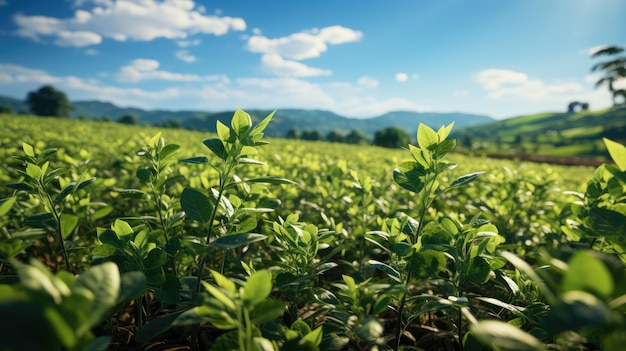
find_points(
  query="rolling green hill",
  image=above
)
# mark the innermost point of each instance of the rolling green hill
(285, 119)
(550, 134)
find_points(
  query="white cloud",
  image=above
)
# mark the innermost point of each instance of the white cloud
(303, 45)
(402, 77)
(368, 82)
(3, 3)
(123, 20)
(460, 93)
(184, 55)
(91, 52)
(211, 92)
(145, 64)
(77, 39)
(15, 79)
(492, 79)
(188, 43)
(517, 88)
(147, 69)
(277, 65)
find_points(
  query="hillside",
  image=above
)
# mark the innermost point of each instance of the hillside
(284, 120)
(550, 134)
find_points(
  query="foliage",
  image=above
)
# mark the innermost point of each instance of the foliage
(614, 70)
(61, 309)
(6, 109)
(128, 119)
(392, 137)
(551, 135)
(48, 101)
(333, 247)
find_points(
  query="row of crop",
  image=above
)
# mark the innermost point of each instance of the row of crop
(316, 251)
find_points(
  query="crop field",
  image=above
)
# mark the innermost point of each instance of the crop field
(138, 238)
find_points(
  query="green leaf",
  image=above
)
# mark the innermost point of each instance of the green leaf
(156, 258)
(505, 337)
(68, 224)
(130, 193)
(232, 241)
(410, 180)
(216, 146)
(530, 272)
(6, 204)
(109, 237)
(267, 310)
(220, 296)
(64, 193)
(444, 147)
(196, 205)
(315, 336)
(577, 310)
(382, 304)
(427, 138)
(258, 129)
(261, 344)
(241, 123)
(122, 228)
(132, 286)
(223, 132)
(195, 160)
(228, 341)
(370, 330)
(28, 150)
(20, 186)
(269, 180)
(444, 131)
(85, 183)
(465, 179)
(168, 151)
(388, 270)
(36, 277)
(156, 327)
(103, 281)
(224, 283)
(617, 152)
(250, 161)
(33, 171)
(587, 273)
(257, 288)
(155, 140)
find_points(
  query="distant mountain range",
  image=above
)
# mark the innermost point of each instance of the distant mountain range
(284, 119)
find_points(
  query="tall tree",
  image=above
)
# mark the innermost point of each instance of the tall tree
(48, 101)
(129, 118)
(356, 137)
(392, 137)
(614, 70)
(335, 137)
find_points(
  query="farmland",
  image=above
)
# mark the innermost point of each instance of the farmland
(130, 237)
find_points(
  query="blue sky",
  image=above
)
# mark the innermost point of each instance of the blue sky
(356, 58)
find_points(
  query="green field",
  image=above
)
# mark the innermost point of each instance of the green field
(550, 134)
(179, 240)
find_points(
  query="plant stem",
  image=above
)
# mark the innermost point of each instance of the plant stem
(57, 219)
(204, 256)
(157, 200)
(399, 324)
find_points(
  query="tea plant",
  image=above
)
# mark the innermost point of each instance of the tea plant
(214, 258)
(44, 184)
(60, 310)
